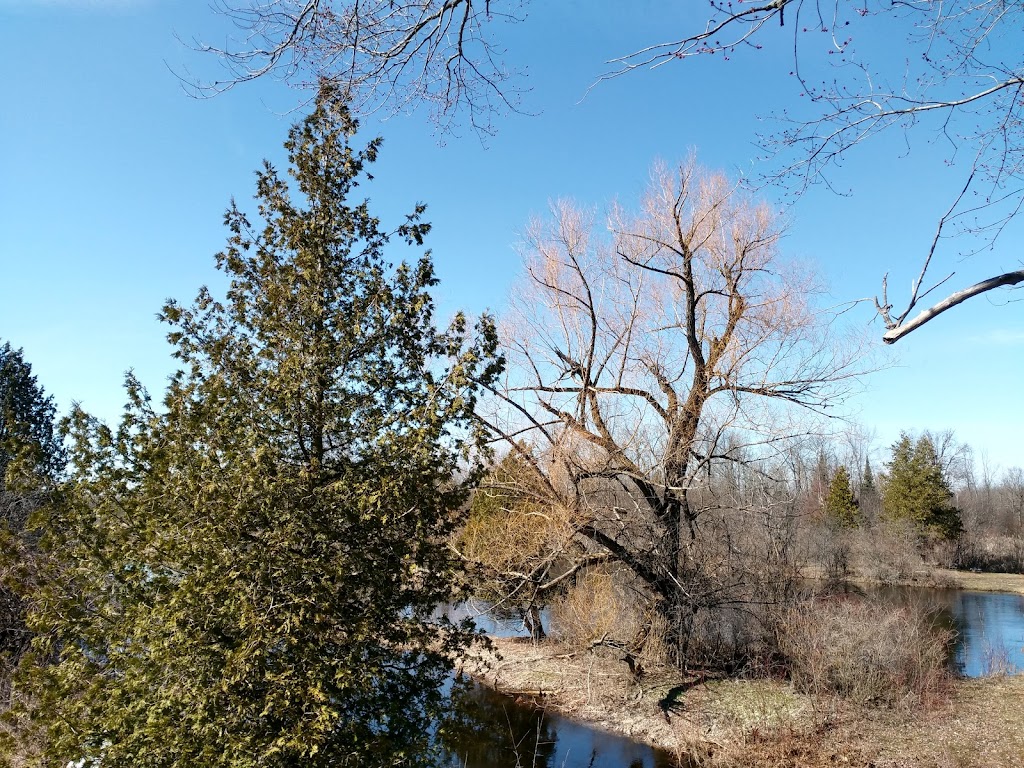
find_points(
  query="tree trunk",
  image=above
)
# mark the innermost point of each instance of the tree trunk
(534, 624)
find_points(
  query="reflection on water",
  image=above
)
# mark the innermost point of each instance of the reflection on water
(492, 619)
(494, 731)
(989, 625)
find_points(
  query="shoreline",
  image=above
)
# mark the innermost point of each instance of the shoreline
(761, 723)
(936, 578)
(945, 578)
(757, 723)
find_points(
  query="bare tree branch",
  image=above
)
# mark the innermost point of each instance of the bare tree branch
(389, 55)
(1009, 278)
(671, 345)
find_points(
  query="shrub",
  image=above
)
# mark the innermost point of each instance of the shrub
(866, 652)
(599, 610)
(993, 554)
(888, 553)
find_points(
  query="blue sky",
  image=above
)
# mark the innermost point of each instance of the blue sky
(113, 184)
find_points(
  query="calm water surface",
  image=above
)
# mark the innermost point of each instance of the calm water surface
(989, 625)
(498, 732)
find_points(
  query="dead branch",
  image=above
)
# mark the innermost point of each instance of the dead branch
(895, 333)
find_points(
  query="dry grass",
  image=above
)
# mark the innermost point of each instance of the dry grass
(865, 653)
(981, 727)
(985, 582)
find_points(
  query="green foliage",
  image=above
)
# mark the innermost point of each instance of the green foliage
(867, 483)
(32, 458)
(840, 505)
(869, 500)
(31, 452)
(916, 490)
(247, 576)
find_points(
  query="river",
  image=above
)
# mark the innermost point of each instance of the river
(499, 732)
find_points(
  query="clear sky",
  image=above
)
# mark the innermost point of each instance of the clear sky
(113, 183)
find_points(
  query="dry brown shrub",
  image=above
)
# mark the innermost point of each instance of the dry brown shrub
(994, 554)
(866, 653)
(888, 553)
(600, 610)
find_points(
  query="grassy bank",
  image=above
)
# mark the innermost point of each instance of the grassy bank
(937, 578)
(982, 582)
(754, 723)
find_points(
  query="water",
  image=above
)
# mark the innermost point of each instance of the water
(488, 618)
(496, 731)
(989, 626)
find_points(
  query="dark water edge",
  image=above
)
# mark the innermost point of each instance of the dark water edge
(495, 730)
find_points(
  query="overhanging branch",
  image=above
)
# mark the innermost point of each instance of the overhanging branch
(898, 332)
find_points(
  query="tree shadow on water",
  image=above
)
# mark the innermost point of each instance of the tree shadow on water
(487, 729)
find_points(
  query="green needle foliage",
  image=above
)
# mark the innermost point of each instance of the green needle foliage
(31, 453)
(31, 461)
(247, 575)
(916, 490)
(840, 505)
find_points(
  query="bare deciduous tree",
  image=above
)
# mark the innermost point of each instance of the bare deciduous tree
(385, 54)
(643, 360)
(1013, 489)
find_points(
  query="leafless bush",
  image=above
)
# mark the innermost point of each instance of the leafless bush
(829, 548)
(993, 554)
(888, 553)
(995, 659)
(601, 610)
(866, 653)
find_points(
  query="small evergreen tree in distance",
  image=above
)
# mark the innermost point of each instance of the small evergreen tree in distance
(840, 505)
(869, 500)
(916, 490)
(248, 575)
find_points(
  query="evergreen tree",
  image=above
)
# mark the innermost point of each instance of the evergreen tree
(917, 491)
(31, 452)
(32, 458)
(840, 505)
(867, 483)
(248, 574)
(868, 499)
